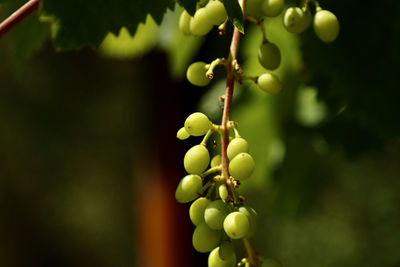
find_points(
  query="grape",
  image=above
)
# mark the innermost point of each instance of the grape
(200, 24)
(184, 22)
(272, 8)
(216, 12)
(196, 210)
(196, 74)
(226, 250)
(296, 20)
(189, 188)
(205, 239)
(182, 134)
(236, 146)
(236, 225)
(269, 56)
(215, 213)
(326, 25)
(223, 192)
(252, 217)
(253, 8)
(241, 166)
(214, 259)
(270, 83)
(197, 124)
(196, 159)
(216, 161)
(271, 263)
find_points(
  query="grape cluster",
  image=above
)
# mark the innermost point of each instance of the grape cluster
(325, 23)
(206, 17)
(217, 211)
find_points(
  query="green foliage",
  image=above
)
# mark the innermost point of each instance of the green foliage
(234, 13)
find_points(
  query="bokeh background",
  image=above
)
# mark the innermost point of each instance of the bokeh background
(89, 161)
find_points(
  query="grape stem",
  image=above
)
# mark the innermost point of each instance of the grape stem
(224, 129)
(18, 15)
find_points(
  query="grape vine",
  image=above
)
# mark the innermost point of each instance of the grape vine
(219, 212)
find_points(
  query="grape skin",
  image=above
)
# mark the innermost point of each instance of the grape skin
(223, 192)
(236, 146)
(216, 161)
(241, 166)
(182, 134)
(226, 250)
(184, 22)
(269, 56)
(216, 12)
(272, 8)
(196, 210)
(197, 124)
(326, 26)
(270, 83)
(196, 74)
(252, 217)
(214, 260)
(205, 239)
(253, 8)
(189, 188)
(200, 24)
(236, 225)
(215, 213)
(296, 20)
(196, 159)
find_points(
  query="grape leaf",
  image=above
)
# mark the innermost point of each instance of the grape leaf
(234, 13)
(82, 23)
(189, 5)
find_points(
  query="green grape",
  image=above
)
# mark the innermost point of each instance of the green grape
(196, 210)
(197, 124)
(214, 259)
(189, 188)
(253, 8)
(296, 20)
(252, 216)
(215, 213)
(182, 134)
(184, 22)
(216, 12)
(196, 74)
(272, 8)
(223, 192)
(236, 225)
(200, 24)
(241, 166)
(271, 263)
(196, 159)
(216, 161)
(226, 250)
(269, 56)
(326, 26)
(270, 83)
(205, 239)
(236, 146)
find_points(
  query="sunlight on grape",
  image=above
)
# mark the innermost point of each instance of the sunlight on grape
(126, 46)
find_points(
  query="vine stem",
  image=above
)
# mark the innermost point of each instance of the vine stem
(230, 82)
(18, 15)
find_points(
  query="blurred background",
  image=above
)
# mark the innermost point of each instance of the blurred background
(89, 161)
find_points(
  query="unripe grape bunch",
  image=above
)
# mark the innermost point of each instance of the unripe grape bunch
(219, 213)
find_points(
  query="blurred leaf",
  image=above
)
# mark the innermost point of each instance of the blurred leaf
(83, 23)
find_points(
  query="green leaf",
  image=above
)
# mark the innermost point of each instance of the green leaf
(82, 23)
(189, 5)
(234, 13)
